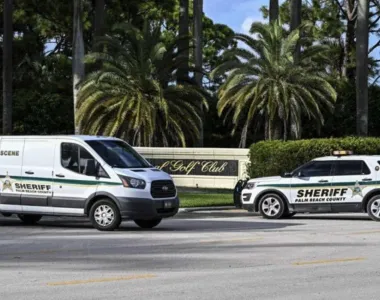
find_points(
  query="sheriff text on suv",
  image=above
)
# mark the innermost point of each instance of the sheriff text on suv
(339, 183)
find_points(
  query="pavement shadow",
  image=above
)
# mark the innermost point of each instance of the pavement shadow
(167, 225)
(333, 217)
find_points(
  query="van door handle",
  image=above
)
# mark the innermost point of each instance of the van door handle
(29, 172)
(323, 180)
(60, 175)
(367, 179)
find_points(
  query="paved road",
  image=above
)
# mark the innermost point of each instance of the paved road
(193, 256)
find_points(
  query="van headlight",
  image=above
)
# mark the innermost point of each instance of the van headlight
(250, 185)
(130, 182)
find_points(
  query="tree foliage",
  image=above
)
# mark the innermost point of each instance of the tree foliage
(132, 95)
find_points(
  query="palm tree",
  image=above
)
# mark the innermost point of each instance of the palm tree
(183, 45)
(7, 67)
(362, 33)
(264, 82)
(295, 22)
(133, 95)
(273, 10)
(78, 54)
(198, 49)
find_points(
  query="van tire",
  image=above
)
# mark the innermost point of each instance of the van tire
(29, 219)
(276, 211)
(111, 218)
(147, 224)
(373, 208)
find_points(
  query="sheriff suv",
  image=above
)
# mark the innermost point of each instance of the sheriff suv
(342, 182)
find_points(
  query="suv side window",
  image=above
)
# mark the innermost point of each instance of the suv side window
(317, 169)
(77, 159)
(351, 167)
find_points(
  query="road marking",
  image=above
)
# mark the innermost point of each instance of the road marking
(328, 261)
(231, 240)
(366, 232)
(100, 280)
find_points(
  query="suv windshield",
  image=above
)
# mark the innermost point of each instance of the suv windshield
(119, 154)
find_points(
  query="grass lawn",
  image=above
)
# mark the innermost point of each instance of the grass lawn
(189, 199)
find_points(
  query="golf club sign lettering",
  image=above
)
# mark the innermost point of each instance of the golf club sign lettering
(197, 167)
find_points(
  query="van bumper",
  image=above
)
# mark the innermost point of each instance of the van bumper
(147, 209)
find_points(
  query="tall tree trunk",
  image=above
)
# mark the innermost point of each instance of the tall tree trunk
(99, 19)
(274, 9)
(198, 54)
(183, 44)
(362, 35)
(295, 22)
(349, 47)
(78, 55)
(7, 67)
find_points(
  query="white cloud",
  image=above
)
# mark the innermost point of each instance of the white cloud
(246, 26)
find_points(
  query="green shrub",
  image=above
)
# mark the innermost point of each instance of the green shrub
(275, 157)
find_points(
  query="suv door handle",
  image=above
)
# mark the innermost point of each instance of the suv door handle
(323, 180)
(29, 172)
(367, 179)
(60, 175)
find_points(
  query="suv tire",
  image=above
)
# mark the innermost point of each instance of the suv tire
(373, 208)
(105, 215)
(271, 206)
(147, 224)
(29, 219)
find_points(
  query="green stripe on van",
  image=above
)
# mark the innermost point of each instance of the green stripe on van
(63, 181)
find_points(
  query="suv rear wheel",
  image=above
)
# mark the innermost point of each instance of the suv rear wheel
(29, 219)
(105, 215)
(373, 208)
(271, 206)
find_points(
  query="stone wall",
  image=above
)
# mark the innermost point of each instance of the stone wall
(200, 167)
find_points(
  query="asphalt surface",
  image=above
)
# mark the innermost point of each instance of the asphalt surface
(197, 255)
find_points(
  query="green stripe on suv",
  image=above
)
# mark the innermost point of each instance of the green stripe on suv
(304, 185)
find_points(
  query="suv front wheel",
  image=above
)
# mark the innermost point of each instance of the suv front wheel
(271, 206)
(373, 208)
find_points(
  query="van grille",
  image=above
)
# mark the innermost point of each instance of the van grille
(163, 189)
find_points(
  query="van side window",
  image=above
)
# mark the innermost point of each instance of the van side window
(77, 159)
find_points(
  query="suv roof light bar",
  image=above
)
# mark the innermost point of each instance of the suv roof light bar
(342, 152)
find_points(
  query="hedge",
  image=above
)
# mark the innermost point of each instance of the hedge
(271, 158)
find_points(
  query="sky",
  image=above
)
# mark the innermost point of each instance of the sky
(240, 14)
(237, 14)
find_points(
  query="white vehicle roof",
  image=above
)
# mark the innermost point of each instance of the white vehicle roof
(349, 157)
(74, 137)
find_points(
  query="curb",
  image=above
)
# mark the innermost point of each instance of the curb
(210, 208)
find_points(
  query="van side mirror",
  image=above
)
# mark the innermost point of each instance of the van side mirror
(300, 174)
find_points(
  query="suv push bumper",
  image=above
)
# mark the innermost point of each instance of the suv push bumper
(147, 209)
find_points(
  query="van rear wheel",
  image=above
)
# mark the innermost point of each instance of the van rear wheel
(147, 224)
(29, 219)
(105, 215)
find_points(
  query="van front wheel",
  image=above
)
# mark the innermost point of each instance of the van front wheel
(105, 216)
(29, 219)
(147, 224)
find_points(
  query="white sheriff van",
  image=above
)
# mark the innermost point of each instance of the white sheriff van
(100, 177)
(339, 183)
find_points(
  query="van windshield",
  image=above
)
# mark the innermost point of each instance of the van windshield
(118, 154)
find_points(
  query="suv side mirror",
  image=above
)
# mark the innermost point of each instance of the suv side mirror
(300, 174)
(286, 175)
